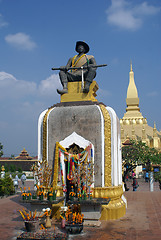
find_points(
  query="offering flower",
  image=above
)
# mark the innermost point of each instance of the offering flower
(63, 212)
(47, 212)
(28, 216)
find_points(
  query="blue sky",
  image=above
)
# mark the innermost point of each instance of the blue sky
(36, 35)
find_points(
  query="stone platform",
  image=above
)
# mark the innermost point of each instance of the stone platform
(142, 220)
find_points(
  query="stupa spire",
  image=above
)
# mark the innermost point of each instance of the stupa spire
(132, 90)
(133, 114)
(132, 99)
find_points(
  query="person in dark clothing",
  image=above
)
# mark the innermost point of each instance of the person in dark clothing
(125, 185)
(135, 184)
(146, 177)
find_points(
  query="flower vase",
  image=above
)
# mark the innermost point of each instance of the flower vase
(85, 197)
(54, 195)
(48, 194)
(50, 198)
(48, 222)
(29, 197)
(34, 197)
(41, 197)
(24, 197)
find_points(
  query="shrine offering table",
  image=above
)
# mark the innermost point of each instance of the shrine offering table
(38, 205)
(91, 209)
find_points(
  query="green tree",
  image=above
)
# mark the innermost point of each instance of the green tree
(12, 168)
(138, 153)
(6, 167)
(1, 150)
(6, 186)
(19, 169)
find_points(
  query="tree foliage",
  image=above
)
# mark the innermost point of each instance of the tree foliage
(138, 153)
(6, 186)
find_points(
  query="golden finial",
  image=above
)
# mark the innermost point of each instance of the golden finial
(154, 125)
(131, 66)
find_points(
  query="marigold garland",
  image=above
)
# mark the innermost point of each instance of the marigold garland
(79, 168)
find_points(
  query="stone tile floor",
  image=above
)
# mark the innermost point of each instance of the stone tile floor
(141, 222)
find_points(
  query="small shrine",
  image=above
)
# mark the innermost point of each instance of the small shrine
(23, 155)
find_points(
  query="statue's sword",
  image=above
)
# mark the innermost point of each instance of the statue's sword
(80, 68)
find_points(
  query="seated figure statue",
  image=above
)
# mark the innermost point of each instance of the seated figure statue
(78, 61)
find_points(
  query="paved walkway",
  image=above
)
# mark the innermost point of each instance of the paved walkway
(141, 222)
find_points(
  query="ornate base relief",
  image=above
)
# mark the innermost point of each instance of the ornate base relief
(112, 168)
(116, 207)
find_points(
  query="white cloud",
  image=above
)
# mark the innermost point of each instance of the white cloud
(20, 41)
(152, 94)
(6, 76)
(21, 104)
(145, 9)
(2, 22)
(12, 88)
(49, 85)
(125, 16)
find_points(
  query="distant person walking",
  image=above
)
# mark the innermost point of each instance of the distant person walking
(23, 179)
(133, 174)
(135, 184)
(146, 177)
(15, 183)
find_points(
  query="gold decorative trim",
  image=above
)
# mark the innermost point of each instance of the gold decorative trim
(107, 145)
(114, 210)
(44, 152)
(113, 192)
(75, 92)
(55, 177)
(56, 166)
(116, 207)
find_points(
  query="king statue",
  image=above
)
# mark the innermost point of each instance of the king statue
(78, 65)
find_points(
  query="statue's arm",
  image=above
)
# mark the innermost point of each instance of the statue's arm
(68, 65)
(92, 62)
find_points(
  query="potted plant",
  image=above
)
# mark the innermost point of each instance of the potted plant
(54, 195)
(23, 196)
(28, 196)
(41, 195)
(50, 197)
(74, 219)
(34, 196)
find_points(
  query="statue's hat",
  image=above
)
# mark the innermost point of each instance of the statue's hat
(86, 47)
